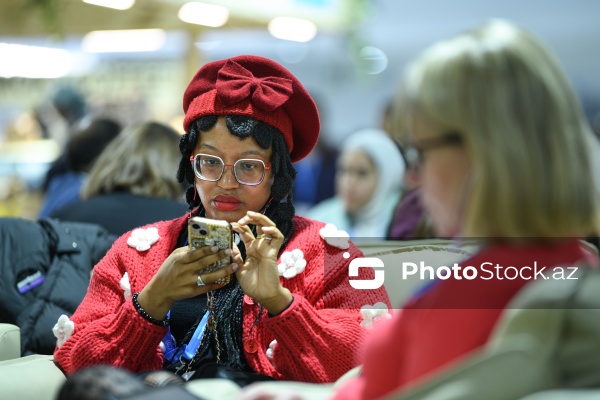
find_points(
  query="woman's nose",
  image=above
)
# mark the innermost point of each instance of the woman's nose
(228, 180)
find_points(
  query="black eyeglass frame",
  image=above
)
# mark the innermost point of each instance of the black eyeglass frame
(413, 152)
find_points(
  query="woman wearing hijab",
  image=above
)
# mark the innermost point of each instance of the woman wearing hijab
(368, 184)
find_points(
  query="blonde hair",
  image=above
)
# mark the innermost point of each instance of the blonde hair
(521, 123)
(141, 160)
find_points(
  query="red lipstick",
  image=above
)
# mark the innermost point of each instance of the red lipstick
(226, 203)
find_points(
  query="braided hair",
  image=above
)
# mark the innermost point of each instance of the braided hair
(281, 208)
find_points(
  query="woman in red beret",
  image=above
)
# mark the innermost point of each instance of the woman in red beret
(289, 311)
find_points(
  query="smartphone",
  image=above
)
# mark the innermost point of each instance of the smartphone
(211, 232)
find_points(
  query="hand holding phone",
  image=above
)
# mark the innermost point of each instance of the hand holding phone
(211, 232)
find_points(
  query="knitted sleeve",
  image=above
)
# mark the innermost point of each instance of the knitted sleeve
(319, 337)
(107, 328)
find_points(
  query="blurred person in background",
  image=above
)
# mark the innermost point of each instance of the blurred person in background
(131, 183)
(62, 116)
(315, 179)
(503, 158)
(70, 171)
(409, 220)
(315, 173)
(70, 104)
(508, 165)
(368, 183)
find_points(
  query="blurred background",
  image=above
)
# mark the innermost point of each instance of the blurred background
(131, 60)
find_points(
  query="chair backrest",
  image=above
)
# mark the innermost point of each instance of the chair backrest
(546, 345)
(10, 342)
(560, 318)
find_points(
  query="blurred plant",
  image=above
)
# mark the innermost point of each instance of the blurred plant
(357, 12)
(50, 12)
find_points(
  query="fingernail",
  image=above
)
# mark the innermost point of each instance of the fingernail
(228, 251)
(214, 249)
(234, 267)
(241, 221)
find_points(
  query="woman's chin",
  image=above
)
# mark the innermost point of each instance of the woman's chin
(229, 216)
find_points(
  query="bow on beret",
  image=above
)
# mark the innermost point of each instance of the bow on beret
(235, 83)
(261, 89)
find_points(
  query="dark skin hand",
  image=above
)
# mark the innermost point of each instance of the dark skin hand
(258, 276)
(177, 277)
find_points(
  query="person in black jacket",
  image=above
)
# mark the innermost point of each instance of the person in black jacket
(131, 183)
(45, 268)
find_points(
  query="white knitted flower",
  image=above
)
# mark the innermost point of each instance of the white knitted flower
(63, 330)
(142, 239)
(270, 350)
(126, 286)
(372, 314)
(334, 237)
(291, 263)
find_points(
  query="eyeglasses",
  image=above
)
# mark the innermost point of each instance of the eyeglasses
(247, 171)
(414, 152)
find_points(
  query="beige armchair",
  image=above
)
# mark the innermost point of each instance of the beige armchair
(34, 377)
(10, 342)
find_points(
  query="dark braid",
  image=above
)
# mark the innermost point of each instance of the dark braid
(281, 208)
(187, 143)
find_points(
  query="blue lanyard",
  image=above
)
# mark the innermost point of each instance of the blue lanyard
(187, 351)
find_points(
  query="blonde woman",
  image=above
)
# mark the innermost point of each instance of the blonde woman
(502, 149)
(131, 183)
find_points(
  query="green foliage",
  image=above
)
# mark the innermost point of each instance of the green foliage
(49, 12)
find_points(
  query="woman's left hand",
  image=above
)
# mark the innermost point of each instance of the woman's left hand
(258, 275)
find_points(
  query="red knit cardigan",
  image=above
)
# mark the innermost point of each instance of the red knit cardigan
(318, 336)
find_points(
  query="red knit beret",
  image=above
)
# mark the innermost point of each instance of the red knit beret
(259, 88)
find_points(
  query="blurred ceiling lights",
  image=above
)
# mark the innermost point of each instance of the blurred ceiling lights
(116, 4)
(332, 15)
(119, 41)
(204, 14)
(25, 61)
(107, 29)
(295, 29)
